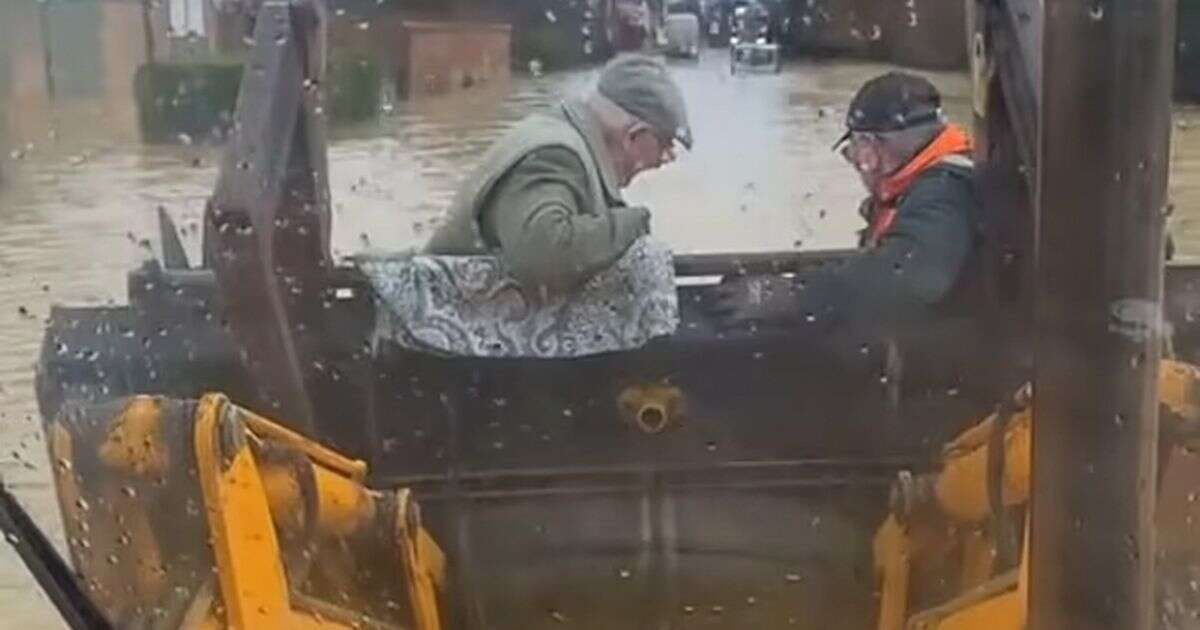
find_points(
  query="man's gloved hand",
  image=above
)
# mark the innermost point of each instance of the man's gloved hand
(749, 301)
(644, 214)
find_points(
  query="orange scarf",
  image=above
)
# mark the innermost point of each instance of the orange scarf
(952, 140)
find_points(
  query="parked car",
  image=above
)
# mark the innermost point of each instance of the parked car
(683, 29)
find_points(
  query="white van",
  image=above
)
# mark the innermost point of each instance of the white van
(683, 31)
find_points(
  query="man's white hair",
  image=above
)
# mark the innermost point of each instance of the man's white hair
(609, 113)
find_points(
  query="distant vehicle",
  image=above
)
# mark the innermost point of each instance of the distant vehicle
(719, 19)
(718, 26)
(752, 44)
(683, 30)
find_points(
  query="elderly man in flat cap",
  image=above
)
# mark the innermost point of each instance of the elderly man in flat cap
(547, 198)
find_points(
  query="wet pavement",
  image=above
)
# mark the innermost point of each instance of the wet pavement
(78, 201)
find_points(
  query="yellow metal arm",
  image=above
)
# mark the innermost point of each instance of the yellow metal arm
(948, 513)
(246, 500)
(218, 518)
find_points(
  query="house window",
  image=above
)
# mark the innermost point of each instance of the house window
(187, 17)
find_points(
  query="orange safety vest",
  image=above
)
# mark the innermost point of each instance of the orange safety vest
(883, 208)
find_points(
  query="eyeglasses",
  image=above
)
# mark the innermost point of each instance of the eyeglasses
(666, 147)
(849, 147)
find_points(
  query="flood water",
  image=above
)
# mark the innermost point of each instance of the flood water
(79, 193)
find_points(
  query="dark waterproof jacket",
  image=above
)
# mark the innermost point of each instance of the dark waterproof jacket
(926, 265)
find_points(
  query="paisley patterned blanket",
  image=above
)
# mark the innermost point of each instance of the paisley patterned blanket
(469, 306)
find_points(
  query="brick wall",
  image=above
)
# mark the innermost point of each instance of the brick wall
(443, 57)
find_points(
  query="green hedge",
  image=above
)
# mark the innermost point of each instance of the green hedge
(354, 90)
(198, 98)
(555, 47)
(185, 98)
(1187, 62)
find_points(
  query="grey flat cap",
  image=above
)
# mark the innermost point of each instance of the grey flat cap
(643, 87)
